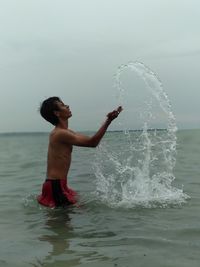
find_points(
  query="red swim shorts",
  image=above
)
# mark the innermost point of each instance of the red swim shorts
(56, 193)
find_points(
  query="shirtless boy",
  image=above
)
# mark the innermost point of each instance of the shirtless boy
(55, 191)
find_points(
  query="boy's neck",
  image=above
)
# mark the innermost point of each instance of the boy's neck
(62, 124)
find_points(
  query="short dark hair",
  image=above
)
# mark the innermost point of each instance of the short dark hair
(47, 109)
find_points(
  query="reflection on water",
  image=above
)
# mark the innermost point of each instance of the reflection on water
(58, 224)
(59, 233)
(55, 235)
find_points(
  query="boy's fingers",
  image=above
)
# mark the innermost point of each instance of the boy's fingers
(119, 109)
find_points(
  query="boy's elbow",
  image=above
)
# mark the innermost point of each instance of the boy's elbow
(93, 143)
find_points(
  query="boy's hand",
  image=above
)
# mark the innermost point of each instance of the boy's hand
(114, 114)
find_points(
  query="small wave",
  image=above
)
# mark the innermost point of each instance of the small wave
(30, 201)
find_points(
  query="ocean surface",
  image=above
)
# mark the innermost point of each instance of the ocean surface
(136, 207)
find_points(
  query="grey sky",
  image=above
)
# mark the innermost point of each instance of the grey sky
(73, 48)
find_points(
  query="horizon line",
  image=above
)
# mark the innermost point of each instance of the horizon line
(131, 130)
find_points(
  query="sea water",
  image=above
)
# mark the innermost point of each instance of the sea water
(149, 233)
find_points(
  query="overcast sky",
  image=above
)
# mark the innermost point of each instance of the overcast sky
(72, 49)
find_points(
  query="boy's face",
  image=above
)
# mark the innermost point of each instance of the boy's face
(63, 110)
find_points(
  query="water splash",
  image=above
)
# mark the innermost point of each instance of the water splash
(137, 168)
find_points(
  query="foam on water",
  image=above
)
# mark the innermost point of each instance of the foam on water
(139, 172)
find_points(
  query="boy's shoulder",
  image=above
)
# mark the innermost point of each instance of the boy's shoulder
(59, 134)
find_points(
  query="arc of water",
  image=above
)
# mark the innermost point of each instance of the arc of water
(133, 179)
(155, 86)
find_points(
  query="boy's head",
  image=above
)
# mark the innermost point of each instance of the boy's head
(48, 109)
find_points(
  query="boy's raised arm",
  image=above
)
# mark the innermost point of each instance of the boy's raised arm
(93, 141)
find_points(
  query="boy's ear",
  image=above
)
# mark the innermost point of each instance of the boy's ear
(56, 113)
